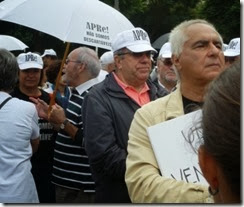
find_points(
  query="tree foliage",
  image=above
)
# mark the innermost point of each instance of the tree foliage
(225, 15)
(157, 17)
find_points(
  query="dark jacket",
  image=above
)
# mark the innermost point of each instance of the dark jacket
(107, 115)
(161, 91)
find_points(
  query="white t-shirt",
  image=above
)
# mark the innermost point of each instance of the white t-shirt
(18, 125)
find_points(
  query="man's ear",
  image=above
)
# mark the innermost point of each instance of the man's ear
(209, 167)
(176, 61)
(117, 62)
(82, 67)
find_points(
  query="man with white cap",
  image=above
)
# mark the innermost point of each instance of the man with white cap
(108, 111)
(30, 73)
(232, 53)
(198, 58)
(107, 63)
(48, 56)
(166, 77)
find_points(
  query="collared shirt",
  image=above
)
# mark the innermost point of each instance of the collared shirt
(160, 84)
(140, 98)
(71, 167)
(88, 84)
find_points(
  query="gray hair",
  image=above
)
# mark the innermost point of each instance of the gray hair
(8, 70)
(178, 35)
(90, 58)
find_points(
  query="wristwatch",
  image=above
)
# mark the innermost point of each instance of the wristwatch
(62, 126)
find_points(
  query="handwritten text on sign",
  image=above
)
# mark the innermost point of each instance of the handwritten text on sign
(174, 155)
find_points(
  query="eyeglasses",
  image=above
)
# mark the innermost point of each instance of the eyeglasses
(230, 59)
(74, 61)
(149, 54)
(167, 61)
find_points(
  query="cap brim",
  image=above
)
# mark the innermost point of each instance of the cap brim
(26, 66)
(231, 53)
(48, 55)
(141, 48)
(166, 55)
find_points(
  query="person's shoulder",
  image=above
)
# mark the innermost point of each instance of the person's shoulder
(22, 105)
(97, 88)
(155, 105)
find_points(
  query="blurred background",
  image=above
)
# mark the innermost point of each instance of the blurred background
(157, 17)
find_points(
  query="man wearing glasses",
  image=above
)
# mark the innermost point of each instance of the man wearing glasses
(232, 53)
(71, 171)
(198, 57)
(108, 111)
(166, 77)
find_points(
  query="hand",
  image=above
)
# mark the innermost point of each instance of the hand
(56, 115)
(41, 107)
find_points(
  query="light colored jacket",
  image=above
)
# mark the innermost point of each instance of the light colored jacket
(143, 179)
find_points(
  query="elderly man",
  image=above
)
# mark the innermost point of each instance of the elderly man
(198, 56)
(71, 170)
(166, 77)
(109, 109)
(107, 61)
(232, 52)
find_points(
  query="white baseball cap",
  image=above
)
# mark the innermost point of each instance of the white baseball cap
(107, 58)
(29, 60)
(165, 51)
(50, 52)
(225, 46)
(233, 48)
(136, 40)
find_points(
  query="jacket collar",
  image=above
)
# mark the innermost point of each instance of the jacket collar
(174, 107)
(114, 89)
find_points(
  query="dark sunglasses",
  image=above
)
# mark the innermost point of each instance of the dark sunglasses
(167, 61)
(149, 54)
(230, 59)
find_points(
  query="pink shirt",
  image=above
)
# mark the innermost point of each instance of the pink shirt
(141, 97)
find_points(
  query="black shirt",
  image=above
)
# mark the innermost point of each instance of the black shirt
(190, 106)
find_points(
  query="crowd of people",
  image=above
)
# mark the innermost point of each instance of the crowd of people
(92, 144)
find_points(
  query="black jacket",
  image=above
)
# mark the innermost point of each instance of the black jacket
(107, 115)
(161, 91)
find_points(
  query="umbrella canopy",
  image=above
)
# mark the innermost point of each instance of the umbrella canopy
(11, 43)
(158, 43)
(88, 22)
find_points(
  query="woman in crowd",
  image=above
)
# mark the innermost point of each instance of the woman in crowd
(30, 76)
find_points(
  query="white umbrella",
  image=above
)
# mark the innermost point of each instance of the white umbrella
(11, 43)
(88, 22)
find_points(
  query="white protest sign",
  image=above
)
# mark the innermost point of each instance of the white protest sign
(175, 156)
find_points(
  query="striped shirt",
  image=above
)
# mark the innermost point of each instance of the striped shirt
(71, 168)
